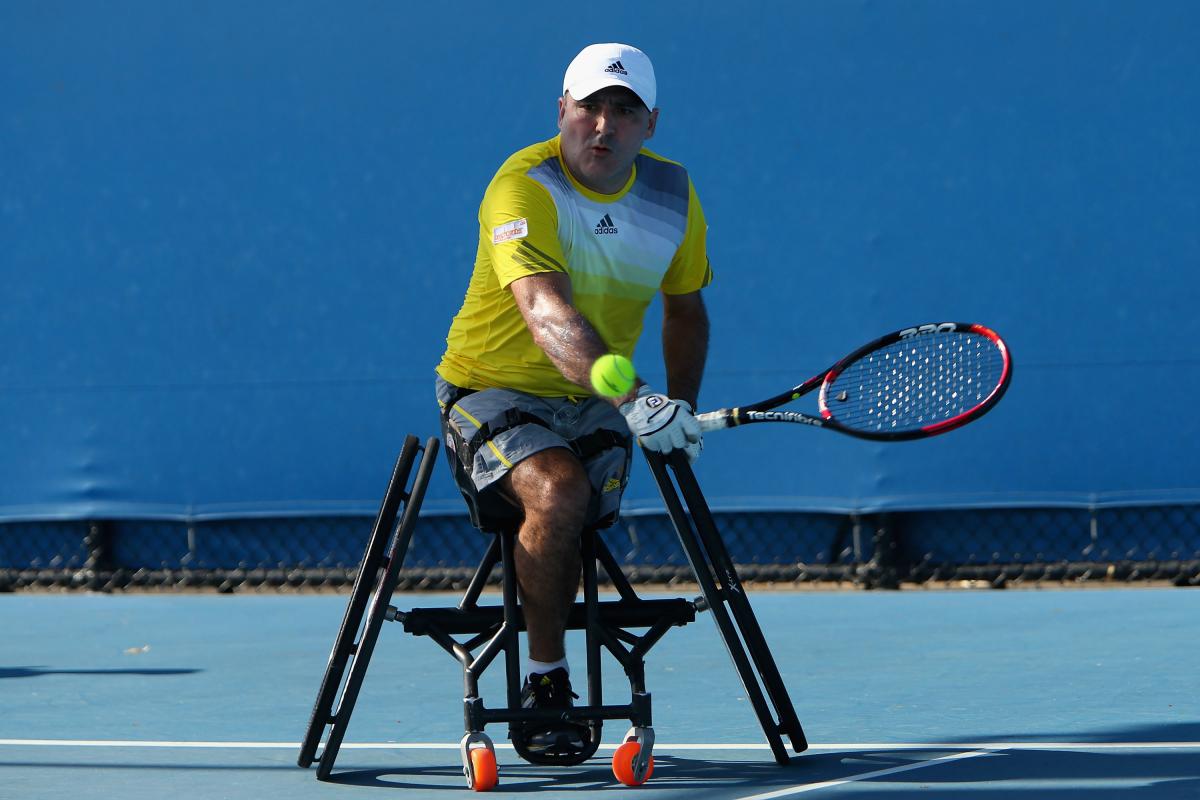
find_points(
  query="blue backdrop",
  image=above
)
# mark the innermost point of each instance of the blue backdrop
(232, 237)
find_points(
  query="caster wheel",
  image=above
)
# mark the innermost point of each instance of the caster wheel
(622, 764)
(482, 775)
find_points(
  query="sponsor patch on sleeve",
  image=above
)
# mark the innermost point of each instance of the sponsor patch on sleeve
(517, 229)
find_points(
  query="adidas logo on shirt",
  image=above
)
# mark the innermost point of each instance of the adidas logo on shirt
(617, 68)
(605, 225)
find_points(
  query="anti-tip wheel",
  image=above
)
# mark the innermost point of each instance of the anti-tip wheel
(482, 776)
(623, 761)
(479, 762)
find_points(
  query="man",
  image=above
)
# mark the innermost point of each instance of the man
(577, 235)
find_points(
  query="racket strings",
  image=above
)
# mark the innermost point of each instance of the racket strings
(916, 382)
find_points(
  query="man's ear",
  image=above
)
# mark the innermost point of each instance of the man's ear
(650, 127)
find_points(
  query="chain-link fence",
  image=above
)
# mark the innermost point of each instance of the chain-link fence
(997, 547)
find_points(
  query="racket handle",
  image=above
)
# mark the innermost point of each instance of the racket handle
(714, 420)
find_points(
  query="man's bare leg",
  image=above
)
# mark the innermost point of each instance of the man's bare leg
(553, 489)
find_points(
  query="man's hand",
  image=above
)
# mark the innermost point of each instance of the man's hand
(662, 424)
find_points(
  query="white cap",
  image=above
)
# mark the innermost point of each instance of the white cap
(601, 65)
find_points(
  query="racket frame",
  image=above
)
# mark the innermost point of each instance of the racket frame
(766, 410)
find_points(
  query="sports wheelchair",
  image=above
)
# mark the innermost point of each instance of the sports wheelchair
(491, 630)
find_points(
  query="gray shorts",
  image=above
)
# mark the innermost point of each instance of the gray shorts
(488, 432)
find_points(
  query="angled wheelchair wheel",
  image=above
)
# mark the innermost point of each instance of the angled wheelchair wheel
(373, 587)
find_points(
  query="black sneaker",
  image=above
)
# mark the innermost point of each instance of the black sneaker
(552, 741)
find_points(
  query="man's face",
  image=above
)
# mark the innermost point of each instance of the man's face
(602, 134)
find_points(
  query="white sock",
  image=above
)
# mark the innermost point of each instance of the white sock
(542, 667)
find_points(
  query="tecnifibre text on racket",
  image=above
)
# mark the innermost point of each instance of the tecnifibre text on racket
(911, 384)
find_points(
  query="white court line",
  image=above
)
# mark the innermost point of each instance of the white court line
(812, 787)
(660, 746)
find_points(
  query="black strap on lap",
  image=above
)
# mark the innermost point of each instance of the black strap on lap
(511, 418)
(597, 442)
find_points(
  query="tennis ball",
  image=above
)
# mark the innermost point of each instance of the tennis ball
(612, 375)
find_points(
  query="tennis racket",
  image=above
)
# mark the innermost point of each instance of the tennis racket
(911, 384)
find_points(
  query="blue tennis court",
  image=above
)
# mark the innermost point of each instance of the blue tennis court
(979, 694)
(235, 236)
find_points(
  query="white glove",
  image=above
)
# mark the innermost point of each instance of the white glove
(662, 424)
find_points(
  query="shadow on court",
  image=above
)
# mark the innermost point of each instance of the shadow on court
(1161, 774)
(1005, 774)
(1027, 771)
(1050, 773)
(699, 776)
(1164, 773)
(37, 672)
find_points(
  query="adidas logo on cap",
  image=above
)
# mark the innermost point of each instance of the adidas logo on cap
(611, 64)
(605, 225)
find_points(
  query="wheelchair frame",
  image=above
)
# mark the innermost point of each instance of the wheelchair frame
(495, 629)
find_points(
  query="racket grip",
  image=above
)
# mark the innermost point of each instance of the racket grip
(714, 420)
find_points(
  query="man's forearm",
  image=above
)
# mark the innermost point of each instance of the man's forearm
(560, 330)
(567, 339)
(685, 352)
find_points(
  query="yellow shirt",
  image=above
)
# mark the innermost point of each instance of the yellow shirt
(619, 251)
